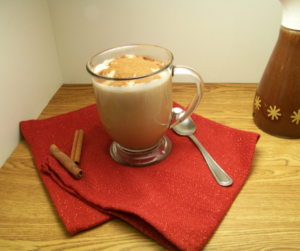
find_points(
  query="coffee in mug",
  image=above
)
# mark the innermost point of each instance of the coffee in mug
(133, 90)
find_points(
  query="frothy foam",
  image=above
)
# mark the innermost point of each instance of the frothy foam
(129, 66)
(134, 87)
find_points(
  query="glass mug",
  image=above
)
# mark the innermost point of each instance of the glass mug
(137, 116)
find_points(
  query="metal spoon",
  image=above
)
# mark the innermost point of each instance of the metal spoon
(187, 128)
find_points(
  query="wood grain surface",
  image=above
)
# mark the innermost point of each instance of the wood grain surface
(264, 216)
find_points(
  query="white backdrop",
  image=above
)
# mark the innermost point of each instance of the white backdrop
(225, 40)
(30, 71)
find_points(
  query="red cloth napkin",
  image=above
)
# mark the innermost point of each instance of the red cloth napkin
(176, 202)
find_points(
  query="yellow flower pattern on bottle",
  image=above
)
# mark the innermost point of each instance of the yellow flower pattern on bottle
(273, 112)
(257, 104)
(296, 118)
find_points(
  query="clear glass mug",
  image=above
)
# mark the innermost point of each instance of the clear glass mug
(137, 116)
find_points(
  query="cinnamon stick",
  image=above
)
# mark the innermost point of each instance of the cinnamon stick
(74, 144)
(66, 162)
(78, 147)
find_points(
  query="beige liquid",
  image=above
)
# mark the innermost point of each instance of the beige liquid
(135, 115)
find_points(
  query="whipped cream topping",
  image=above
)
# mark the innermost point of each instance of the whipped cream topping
(129, 66)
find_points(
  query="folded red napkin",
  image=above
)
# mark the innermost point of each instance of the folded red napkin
(176, 202)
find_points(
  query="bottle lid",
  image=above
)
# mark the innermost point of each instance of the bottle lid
(291, 14)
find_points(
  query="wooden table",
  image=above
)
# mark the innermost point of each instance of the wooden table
(264, 216)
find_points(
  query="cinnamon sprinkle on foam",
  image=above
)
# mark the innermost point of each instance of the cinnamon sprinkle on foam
(128, 66)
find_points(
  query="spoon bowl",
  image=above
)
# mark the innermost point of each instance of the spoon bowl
(188, 128)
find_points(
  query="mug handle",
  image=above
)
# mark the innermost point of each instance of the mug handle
(184, 70)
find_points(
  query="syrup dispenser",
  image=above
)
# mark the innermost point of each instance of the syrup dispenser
(276, 108)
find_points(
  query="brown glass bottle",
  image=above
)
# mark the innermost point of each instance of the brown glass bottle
(276, 108)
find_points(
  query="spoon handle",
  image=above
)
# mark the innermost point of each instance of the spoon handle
(221, 177)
